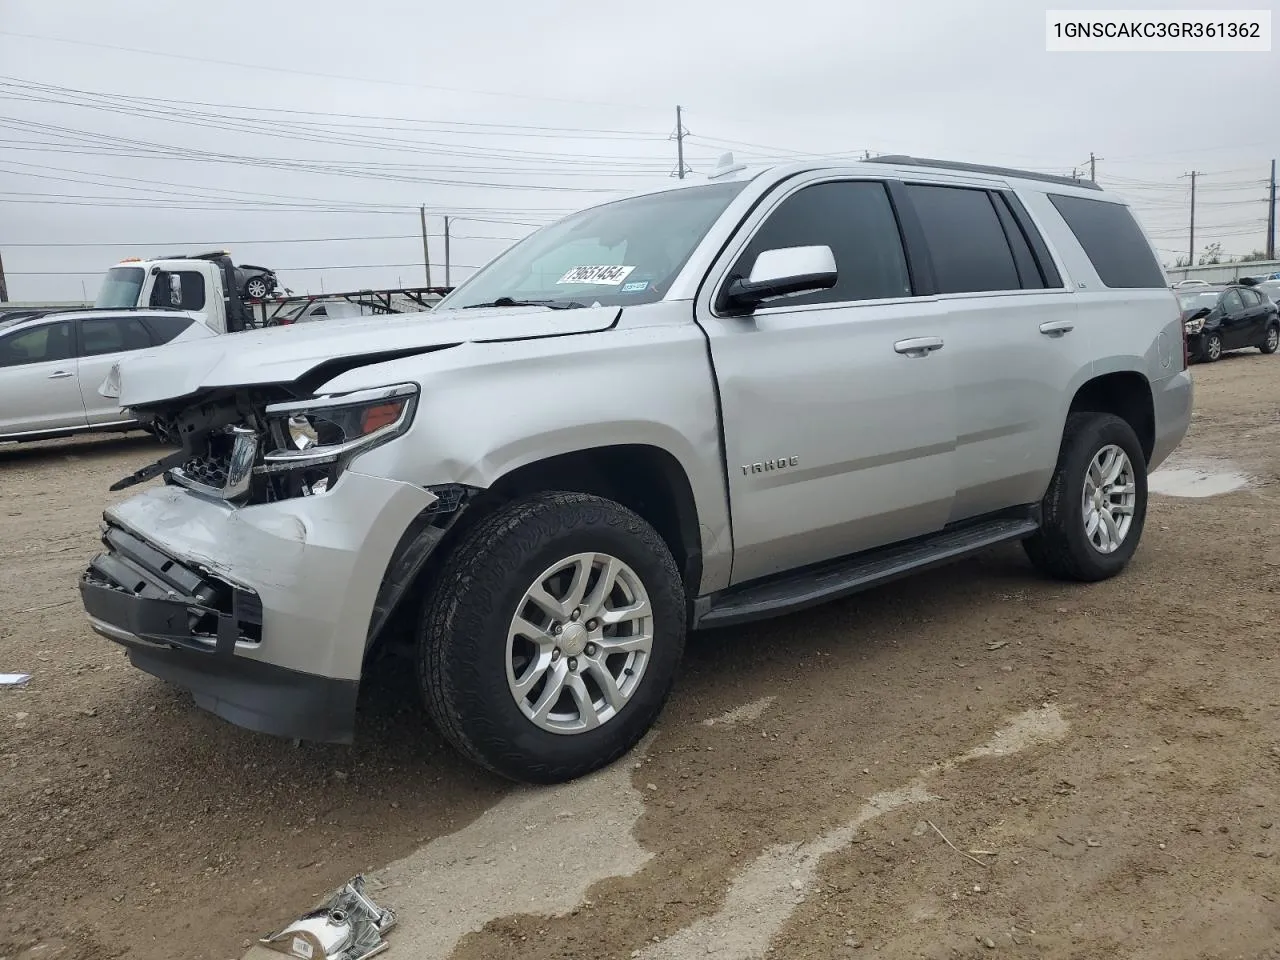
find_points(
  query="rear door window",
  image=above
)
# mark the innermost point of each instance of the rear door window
(967, 242)
(1112, 240)
(112, 335)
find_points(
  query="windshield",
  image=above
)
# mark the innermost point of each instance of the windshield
(1198, 299)
(120, 287)
(618, 253)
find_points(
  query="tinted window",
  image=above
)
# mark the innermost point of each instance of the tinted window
(1231, 302)
(1113, 241)
(36, 345)
(113, 335)
(856, 221)
(164, 327)
(968, 245)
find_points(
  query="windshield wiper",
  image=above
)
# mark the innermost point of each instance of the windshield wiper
(509, 302)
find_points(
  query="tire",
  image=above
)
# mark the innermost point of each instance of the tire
(1212, 349)
(1271, 340)
(469, 652)
(255, 288)
(1063, 548)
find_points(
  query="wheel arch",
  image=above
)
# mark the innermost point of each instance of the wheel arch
(1127, 395)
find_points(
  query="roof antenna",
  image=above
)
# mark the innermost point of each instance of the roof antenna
(725, 167)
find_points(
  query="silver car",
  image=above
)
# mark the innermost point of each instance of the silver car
(51, 366)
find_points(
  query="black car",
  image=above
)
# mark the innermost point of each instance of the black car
(1230, 317)
(255, 282)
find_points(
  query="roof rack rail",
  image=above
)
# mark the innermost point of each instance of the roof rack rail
(906, 161)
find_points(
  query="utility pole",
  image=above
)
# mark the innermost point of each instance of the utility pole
(1093, 167)
(1191, 243)
(446, 253)
(679, 136)
(4, 289)
(1271, 223)
(426, 252)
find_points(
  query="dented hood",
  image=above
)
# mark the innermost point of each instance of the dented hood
(285, 354)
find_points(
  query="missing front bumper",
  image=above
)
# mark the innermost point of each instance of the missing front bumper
(192, 630)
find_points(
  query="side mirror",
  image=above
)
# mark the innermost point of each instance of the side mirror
(175, 290)
(783, 272)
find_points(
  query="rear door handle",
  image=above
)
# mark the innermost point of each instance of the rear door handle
(918, 346)
(60, 375)
(1057, 328)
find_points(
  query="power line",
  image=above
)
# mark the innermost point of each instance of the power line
(241, 243)
(342, 266)
(240, 65)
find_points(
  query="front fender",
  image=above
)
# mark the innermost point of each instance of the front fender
(488, 409)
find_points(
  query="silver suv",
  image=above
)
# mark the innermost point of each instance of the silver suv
(692, 408)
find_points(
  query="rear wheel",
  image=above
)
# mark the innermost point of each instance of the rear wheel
(1094, 511)
(256, 288)
(1271, 342)
(550, 640)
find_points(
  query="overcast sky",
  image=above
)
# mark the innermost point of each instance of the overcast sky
(507, 114)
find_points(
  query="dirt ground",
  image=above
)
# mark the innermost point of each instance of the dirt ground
(807, 821)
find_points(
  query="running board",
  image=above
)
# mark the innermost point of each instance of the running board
(830, 581)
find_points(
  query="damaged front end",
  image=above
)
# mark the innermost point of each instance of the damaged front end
(266, 444)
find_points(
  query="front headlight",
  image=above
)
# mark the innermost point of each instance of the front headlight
(321, 435)
(1194, 326)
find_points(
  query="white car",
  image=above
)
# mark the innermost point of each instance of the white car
(51, 366)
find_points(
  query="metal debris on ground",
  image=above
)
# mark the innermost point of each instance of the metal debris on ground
(348, 926)
(14, 679)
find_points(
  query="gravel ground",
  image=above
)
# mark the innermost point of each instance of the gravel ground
(795, 797)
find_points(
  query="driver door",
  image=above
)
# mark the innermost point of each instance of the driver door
(838, 407)
(38, 387)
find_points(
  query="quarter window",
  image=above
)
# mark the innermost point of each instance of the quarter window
(854, 219)
(1112, 240)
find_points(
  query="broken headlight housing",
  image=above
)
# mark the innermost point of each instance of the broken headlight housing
(309, 442)
(1194, 326)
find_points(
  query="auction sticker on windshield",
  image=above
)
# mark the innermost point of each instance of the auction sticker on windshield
(609, 276)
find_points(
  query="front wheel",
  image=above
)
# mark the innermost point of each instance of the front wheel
(1271, 342)
(1212, 348)
(550, 640)
(1094, 511)
(256, 288)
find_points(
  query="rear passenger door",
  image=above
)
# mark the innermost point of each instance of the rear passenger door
(1009, 325)
(1256, 314)
(839, 433)
(103, 341)
(1235, 320)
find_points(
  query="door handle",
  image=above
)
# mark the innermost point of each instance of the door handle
(60, 375)
(1056, 328)
(918, 346)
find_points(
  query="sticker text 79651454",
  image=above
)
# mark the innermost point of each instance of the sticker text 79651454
(609, 276)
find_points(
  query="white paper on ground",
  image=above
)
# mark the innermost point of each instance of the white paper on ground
(13, 679)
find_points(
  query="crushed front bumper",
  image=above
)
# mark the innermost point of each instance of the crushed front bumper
(262, 612)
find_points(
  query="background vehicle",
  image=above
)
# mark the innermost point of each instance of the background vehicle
(703, 406)
(255, 283)
(1231, 317)
(52, 365)
(204, 284)
(310, 310)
